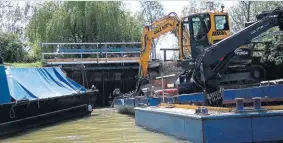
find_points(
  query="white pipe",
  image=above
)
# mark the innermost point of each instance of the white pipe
(165, 76)
(78, 53)
(92, 62)
(113, 43)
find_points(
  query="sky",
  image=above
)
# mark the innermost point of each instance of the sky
(168, 40)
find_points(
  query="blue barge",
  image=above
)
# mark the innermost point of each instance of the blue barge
(270, 94)
(211, 125)
(35, 96)
(203, 124)
(127, 105)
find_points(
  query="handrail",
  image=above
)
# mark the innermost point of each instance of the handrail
(79, 53)
(110, 49)
(99, 43)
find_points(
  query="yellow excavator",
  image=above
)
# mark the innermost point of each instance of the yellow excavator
(203, 34)
(195, 33)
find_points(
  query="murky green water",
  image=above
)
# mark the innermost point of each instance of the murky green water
(104, 126)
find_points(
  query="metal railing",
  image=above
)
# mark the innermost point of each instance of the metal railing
(101, 53)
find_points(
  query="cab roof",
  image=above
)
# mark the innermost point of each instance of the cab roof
(207, 12)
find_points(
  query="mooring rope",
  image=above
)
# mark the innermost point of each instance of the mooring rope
(38, 106)
(112, 103)
(12, 110)
(27, 106)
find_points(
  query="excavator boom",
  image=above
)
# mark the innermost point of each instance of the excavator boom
(169, 23)
(158, 28)
(214, 60)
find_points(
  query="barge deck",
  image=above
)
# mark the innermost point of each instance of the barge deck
(212, 126)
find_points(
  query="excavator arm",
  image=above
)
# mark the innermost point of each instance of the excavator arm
(169, 23)
(161, 27)
(211, 64)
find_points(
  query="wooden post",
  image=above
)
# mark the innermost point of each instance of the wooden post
(162, 83)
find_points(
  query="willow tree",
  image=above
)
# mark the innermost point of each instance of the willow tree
(82, 21)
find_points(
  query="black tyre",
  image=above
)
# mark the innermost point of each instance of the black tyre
(257, 72)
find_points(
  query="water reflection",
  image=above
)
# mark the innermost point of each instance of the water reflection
(103, 126)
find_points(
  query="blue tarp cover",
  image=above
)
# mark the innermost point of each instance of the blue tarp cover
(38, 83)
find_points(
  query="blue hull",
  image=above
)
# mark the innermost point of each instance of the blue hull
(127, 105)
(214, 128)
(32, 97)
(272, 93)
(119, 105)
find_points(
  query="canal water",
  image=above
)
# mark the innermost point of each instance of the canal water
(103, 126)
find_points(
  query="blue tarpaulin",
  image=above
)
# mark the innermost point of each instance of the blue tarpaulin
(39, 83)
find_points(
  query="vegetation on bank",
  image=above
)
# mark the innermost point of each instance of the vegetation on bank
(49, 21)
(34, 64)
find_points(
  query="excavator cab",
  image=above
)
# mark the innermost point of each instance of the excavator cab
(206, 29)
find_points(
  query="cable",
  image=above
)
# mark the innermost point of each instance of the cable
(38, 103)
(12, 110)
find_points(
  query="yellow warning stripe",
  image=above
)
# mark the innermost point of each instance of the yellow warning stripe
(184, 106)
(219, 109)
(279, 107)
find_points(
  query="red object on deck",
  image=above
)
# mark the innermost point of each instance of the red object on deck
(171, 91)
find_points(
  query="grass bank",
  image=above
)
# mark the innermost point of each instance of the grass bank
(35, 64)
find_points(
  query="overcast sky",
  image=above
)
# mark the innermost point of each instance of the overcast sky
(168, 40)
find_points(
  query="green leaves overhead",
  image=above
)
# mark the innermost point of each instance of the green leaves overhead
(271, 46)
(83, 21)
(246, 11)
(152, 10)
(12, 49)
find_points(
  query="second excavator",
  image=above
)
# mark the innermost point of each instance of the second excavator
(214, 60)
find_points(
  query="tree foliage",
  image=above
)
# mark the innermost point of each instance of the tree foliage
(271, 46)
(246, 11)
(12, 28)
(12, 48)
(199, 6)
(14, 17)
(82, 21)
(152, 11)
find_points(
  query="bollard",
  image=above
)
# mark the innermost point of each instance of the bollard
(89, 108)
(239, 104)
(257, 103)
(204, 110)
(198, 110)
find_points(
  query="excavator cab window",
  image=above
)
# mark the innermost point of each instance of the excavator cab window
(199, 26)
(221, 22)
